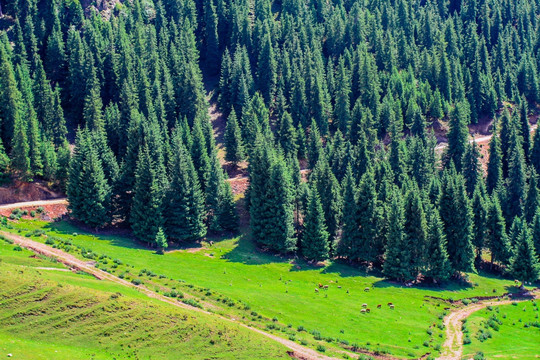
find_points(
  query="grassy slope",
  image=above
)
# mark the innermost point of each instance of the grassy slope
(233, 268)
(513, 340)
(47, 314)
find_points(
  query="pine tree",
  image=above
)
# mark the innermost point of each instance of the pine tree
(496, 239)
(227, 215)
(438, 265)
(524, 263)
(146, 216)
(535, 229)
(480, 212)
(185, 213)
(532, 203)
(349, 243)
(11, 98)
(494, 168)
(280, 224)
(161, 241)
(233, 140)
(88, 192)
(414, 230)
(535, 151)
(397, 256)
(199, 154)
(457, 218)
(516, 184)
(20, 152)
(315, 237)
(287, 136)
(471, 167)
(458, 134)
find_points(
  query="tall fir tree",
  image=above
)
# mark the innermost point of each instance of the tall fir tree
(314, 242)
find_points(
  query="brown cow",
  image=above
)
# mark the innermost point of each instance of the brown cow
(379, 306)
(368, 310)
(325, 287)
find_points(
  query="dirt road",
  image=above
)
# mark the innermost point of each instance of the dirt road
(298, 351)
(62, 201)
(452, 348)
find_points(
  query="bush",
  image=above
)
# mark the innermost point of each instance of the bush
(136, 282)
(40, 209)
(300, 328)
(316, 335)
(49, 241)
(32, 213)
(321, 348)
(466, 340)
(479, 356)
(17, 248)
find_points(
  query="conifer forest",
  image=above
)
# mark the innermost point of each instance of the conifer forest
(354, 124)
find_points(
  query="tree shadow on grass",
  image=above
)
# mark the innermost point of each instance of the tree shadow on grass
(246, 252)
(120, 239)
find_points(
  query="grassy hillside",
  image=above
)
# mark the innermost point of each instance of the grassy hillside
(261, 288)
(48, 314)
(505, 332)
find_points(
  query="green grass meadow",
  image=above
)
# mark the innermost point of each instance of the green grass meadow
(279, 293)
(48, 314)
(505, 332)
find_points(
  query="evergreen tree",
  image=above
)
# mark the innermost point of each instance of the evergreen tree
(227, 215)
(494, 168)
(314, 237)
(146, 214)
(532, 203)
(397, 256)
(524, 263)
(458, 134)
(161, 241)
(233, 140)
(185, 213)
(496, 238)
(457, 218)
(480, 212)
(535, 229)
(438, 265)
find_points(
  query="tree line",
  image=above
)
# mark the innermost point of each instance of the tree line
(343, 94)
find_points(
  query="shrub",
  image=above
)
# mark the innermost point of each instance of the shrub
(466, 340)
(466, 301)
(300, 328)
(321, 348)
(136, 282)
(479, 356)
(40, 209)
(17, 248)
(49, 241)
(303, 342)
(316, 335)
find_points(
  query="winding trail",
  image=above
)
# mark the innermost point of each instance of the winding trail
(452, 348)
(296, 350)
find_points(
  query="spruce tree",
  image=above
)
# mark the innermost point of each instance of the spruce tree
(234, 147)
(438, 265)
(532, 203)
(227, 215)
(535, 230)
(457, 218)
(458, 134)
(146, 216)
(161, 241)
(185, 212)
(494, 168)
(349, 244)
(524, 263)
(314, 240)
(397, 256)
(414, 230)
(480, 213)
(496, 239)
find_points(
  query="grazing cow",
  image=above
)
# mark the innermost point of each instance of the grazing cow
(320, 285)
(363, 311)
(390, 304)
(368, 310)
(392, 307)
(316, 290)
(325, 287)
(339, 287)
(366, 289)
(516, 282)
(364, 305)
(379, 306)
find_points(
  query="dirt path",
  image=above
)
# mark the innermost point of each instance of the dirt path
(452, 348)
(480, 139)
(298, 351)
(62, 201)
